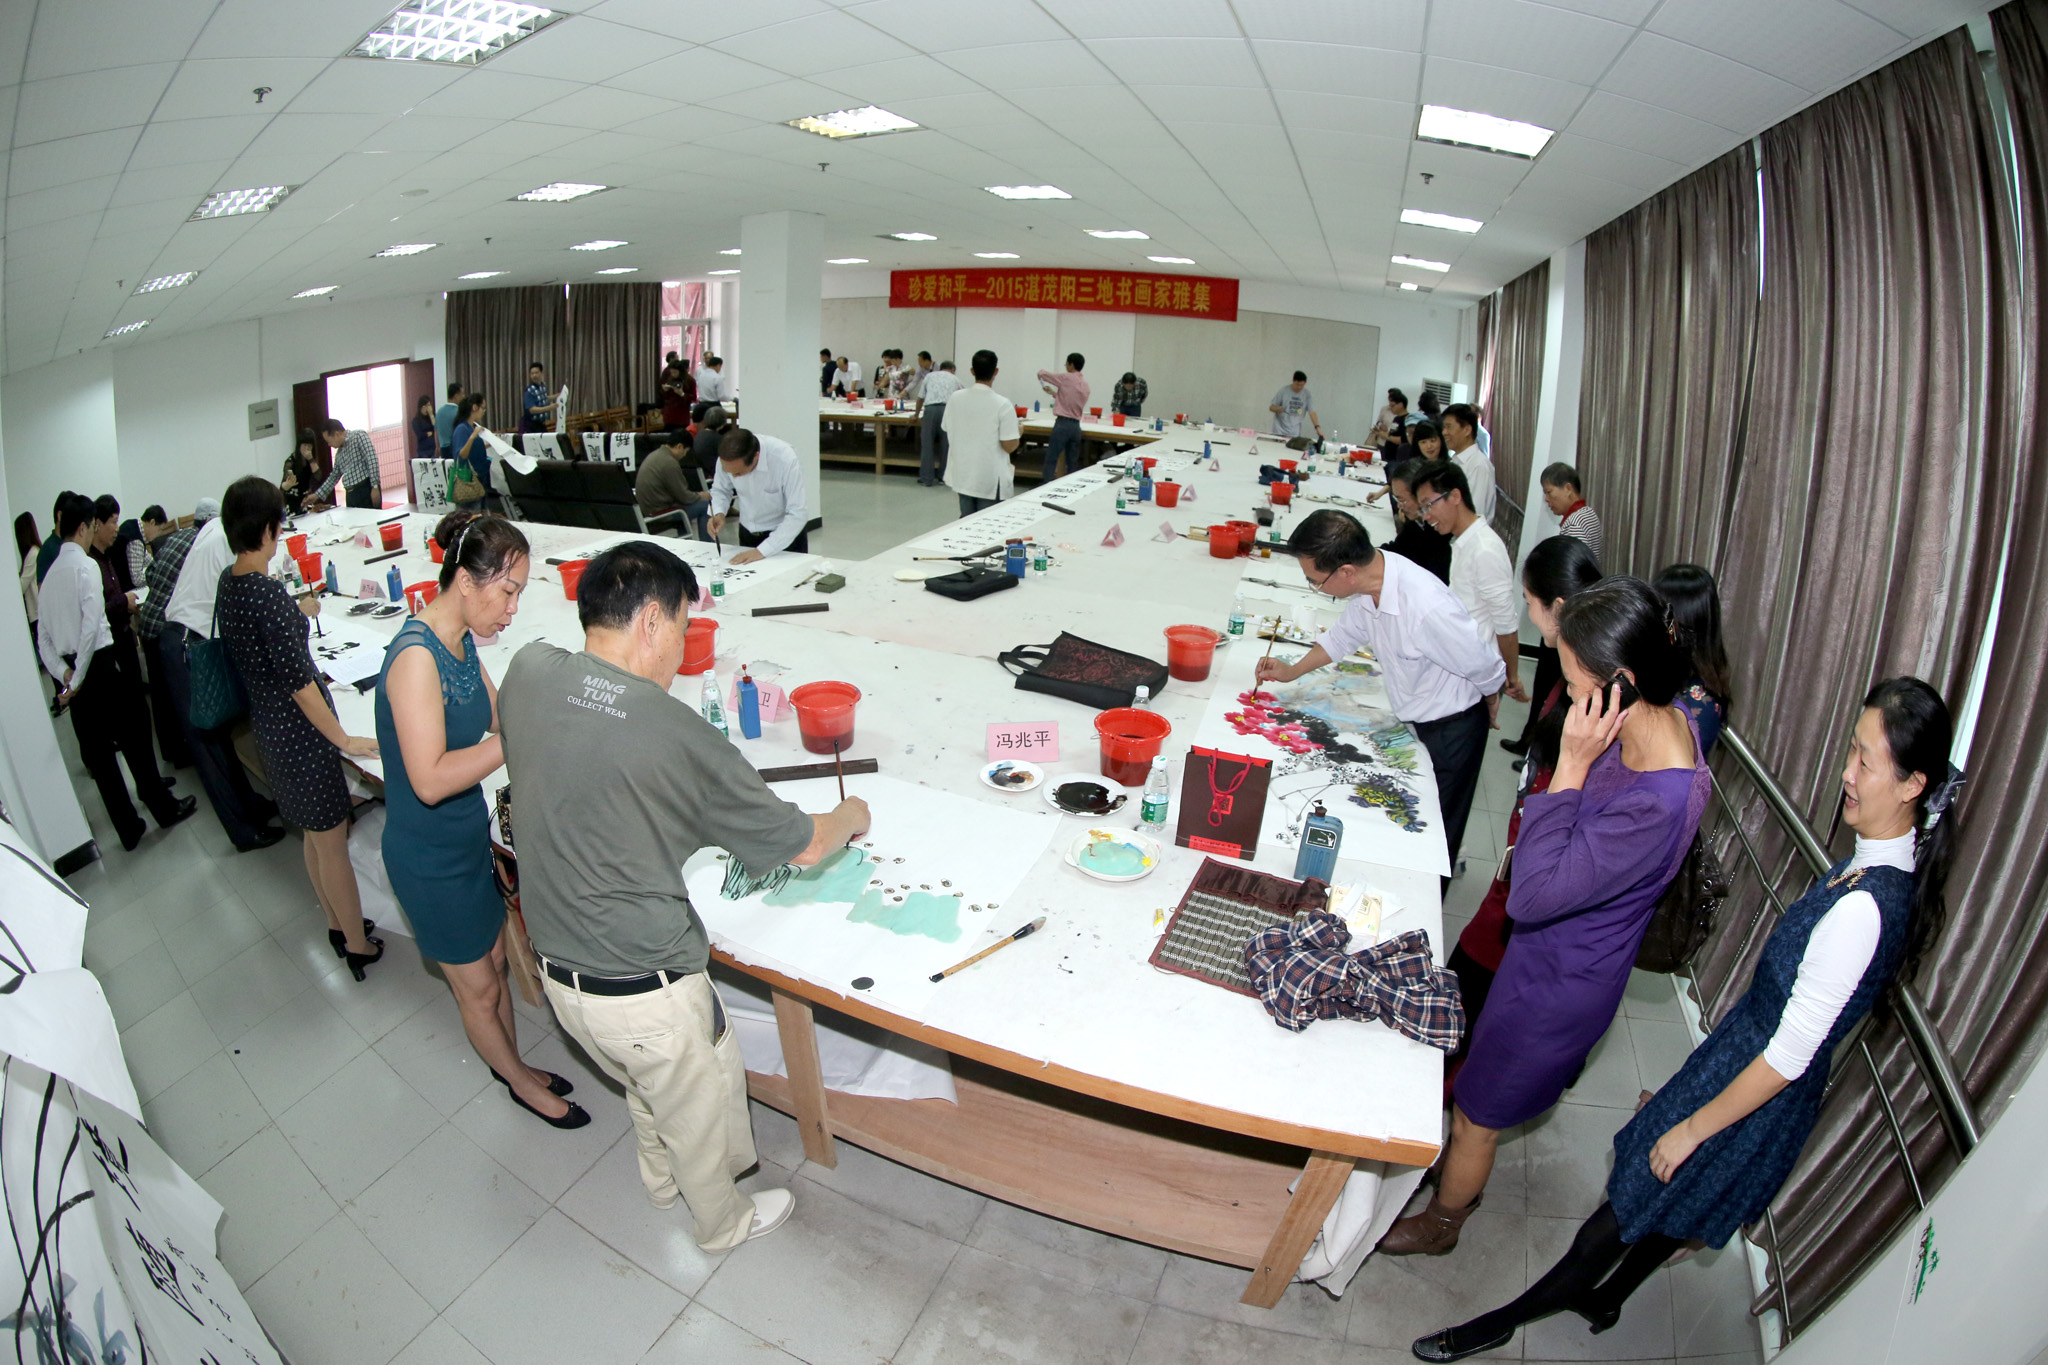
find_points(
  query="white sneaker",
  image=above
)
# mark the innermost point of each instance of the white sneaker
(771, 1210)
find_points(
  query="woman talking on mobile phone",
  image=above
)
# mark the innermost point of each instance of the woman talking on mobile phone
(1596, 851)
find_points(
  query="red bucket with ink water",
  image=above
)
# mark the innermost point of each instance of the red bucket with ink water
(417, 595)
(824, 715)
(393, 535)
(309, 569)
(1130, 741)
(1247, 535)
(1166, 494)
(1281, 493)
(1116, 419)
(295, 546)
(1223, 541)
(1095, 413)
(1290, 464)
(700, 646)
(434, 551)
(1190, 650)
(572, 574)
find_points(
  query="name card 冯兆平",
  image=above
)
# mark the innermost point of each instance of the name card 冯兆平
(1038, 741)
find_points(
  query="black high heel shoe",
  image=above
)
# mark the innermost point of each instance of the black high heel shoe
(557, 1085)
(575, 1118)
(358, 961)
(340, 940)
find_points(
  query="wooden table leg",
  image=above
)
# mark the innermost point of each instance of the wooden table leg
(1322, 1180)
(796, 1024)
(881, 433)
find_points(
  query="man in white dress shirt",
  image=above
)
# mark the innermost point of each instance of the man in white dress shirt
(711, 385)
(981, 435)
(1482, 570)
(1438, 671)
(934, 387)
(1460, 429)
(761, 474)
(108, 711)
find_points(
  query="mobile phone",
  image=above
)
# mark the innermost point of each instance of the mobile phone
(1629, 695)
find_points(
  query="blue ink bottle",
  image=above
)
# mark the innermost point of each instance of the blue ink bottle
(750, 707)
(1321, 836)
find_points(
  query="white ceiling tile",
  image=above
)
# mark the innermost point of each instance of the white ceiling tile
(74, 158)
(1688, 80)
(1144, 18)
(67, 106)
(1362, 149)
(1647, 128)
(701, 74)
(778, 102)
(1457, 166)
(956, 113)
(1027, 66)
(937, 25)
(1105, 105)
(1188, 61)
(703, 23)
(686, 125)
(818, 43)
(490, 93)
(188, 183)
(425, 133)
(371, 87)
(1922, 18)
(1631, 12)
(1584, 156)
(511, 142)
(68, 39)
(1396, 24)
(581, 48)
(1302, 111)
(222, 88)
(196, 140)
(1188, 103)
(302, 143)
(264, 28)
(157, 221)
(888, 82)
(1517, 95)
(1524, 36)
(1328, 67)
(600, 107)
(70, 202)
(1815, 44)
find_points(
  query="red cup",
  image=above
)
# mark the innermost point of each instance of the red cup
(1222, 541)
(1180, 417)
(417, 595)
(1116, 419)
(572, 574)
(1281, 493)
(394, 535)
(1149, 461)
(888, 405)
(1290, 464)
(1130, 741)
(824, 715)
(309, 568)
(434, 549)
(700, 646)
(1020, 409)
(295, 546)
(1189, 652)
(1166, 494)
(1095, 412)
(1247, 534)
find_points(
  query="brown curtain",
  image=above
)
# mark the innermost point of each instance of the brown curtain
(1671, 291)
(614, 352)
(1516, 361)
(1485, 352)
(494, 334)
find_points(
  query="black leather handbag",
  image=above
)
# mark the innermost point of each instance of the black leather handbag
(1684, 914)
(1083, 671)
(969, 584)
(218, 697)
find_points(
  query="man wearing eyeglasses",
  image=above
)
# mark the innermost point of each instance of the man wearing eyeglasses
(1482, 570)
(1441, 675)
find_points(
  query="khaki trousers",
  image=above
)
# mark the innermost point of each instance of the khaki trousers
(687, 1094)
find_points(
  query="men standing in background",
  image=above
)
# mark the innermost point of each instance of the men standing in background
(1069, 401)
(1562, 496)
(355, 466)
(536, 410)
(933, 389)
(981, 435)
(1290, 405)
(762, 476)
(1482, 570)
(711, 385)
(1461, 440)
(444, 421)
(828, 376)
(1128, 397)
(47, 555)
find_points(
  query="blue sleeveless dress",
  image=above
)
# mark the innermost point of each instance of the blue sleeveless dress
(439, 857)
(1731, 1178)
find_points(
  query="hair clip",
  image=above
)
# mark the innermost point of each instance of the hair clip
(1944, 794)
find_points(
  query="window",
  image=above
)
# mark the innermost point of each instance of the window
(685, 321)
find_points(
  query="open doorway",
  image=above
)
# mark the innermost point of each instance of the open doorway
(379, 399)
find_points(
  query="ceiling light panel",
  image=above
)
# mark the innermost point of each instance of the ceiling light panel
(722, 272)
(124, 331)
(620, 270)
(911, 236)
(316, 291)
(407, 249)
(1418, 263)
(561, 192)
(730, 251)
(1464, 128)
(998, 255)
(1028, 192)
(452, 32)
(167, 282)
(481, 275)
(1119, 234)
(598, 244)
(227, 203)
(848, 260)
(1172, 260)
(867, 121)
(1446, 221)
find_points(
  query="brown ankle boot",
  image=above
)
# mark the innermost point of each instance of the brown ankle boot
(1429, 1233)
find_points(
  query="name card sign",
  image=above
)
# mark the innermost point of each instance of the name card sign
(1247, 431)
(1038, 741)
(370, 590)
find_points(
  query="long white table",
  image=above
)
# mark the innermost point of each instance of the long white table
(870, 412)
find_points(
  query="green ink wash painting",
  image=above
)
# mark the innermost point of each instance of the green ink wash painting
(920, 912)
(840, 878)
(843, 878)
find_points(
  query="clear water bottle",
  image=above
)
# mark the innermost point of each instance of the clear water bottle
(1237, 614)
(1158, 798)
(1141, 698)
(714, 709)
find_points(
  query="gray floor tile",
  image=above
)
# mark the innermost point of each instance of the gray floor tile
(293, 1050)
(203, 941)
(112, 937)
(272, 1205)
(1651, 995)
(560, 1295)
(1212, 1290)
(1570, 1152)
(1610, 1078)
(431, 1051)
(1644, 1332)
(443, 1213)
(335, 1301)
(247, 989)
(142, 984)
(355, 1125)
(990, 1309)
(1661, 1047)
(701, 1337)
(395, 989)
(918, 1199)
(1091, 1259)
(549, 1160)
(165, 1045)
(1172, 1337)
(1395, 1299)
(610, 1203)
(204, 1115)
(1710, 1294)
(440, 1344)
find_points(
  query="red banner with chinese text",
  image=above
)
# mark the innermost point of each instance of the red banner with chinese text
(1097, 291)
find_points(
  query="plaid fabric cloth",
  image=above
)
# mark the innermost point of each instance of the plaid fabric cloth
(161, 578)
(1303, 974)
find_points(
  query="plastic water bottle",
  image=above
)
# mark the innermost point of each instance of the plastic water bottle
(1237, 613)
(1158, 799)
(750, 707)
(1141, 698)
(714, 710)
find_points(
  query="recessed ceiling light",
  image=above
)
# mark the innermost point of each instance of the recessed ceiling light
(1410, 285)
(124, 331)
(225, 203)
(722, 272)
(730, 251)
(316, 291)
(561, 192)
(1028, 191)
(167, 282)
(621, 270)
(911, 236)
(459, 32)
(407, 249)
(481, 275)
(1446, 221)
(848, 260)
(866, 121)
(1119, 234)
(599, 244)
(1463, 128)
(998, 255)
(1421, 264)
(1172, 260)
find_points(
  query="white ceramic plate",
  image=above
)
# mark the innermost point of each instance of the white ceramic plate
(1119, 795)
(1030, 772)
(1114, 844)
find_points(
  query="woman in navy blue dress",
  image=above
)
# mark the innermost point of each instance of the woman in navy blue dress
(437, 725)
(1710, 1150)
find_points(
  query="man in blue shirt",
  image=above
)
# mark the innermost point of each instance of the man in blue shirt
(537, 411)
(444, 421)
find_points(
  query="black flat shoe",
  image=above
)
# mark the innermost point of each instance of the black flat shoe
(1517, 747)
(1438, 1346)
(575, 1118)
(340, 940)
(557, 1085)
(180, 812)
(1599, 1319)
(358, 961)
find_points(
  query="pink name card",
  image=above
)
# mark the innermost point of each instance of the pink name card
(1247, 431)
(1037, 740)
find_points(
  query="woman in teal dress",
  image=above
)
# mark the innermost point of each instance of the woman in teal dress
(437, 721)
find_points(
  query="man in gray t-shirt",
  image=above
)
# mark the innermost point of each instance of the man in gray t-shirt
(616, 784)
(1292, 404)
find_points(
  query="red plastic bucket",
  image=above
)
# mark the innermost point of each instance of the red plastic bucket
(309, 568)
(1281, 493)
(572, 574)
(1166, 494)
(295, 546)
(1223, 541)
(824, 715)
(434, 551)
(700, 646)
(394, 535)
(1095, 412)
(1116, 419)
(1290, 464)
(1189, 652)
(1149, 461)
(1247, 533)
(417, 595)
(1130, 741)
(1020, 409)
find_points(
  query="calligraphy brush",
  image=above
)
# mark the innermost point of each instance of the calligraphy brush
(1000, 943)
(839, 770)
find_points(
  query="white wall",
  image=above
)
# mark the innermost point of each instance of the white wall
(1025, 340)
(59, 433)
(1107, 341)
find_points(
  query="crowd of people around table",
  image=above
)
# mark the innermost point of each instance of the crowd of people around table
(615, 784)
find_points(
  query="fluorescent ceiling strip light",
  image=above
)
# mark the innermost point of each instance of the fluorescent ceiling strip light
(1119, 234)
(1446, 221)
(1463, 128)
(1421, 264)
(167, 282)
(407, 249)
(848, 260)
(227, 203)
(481, 275)
(1410, 285)
(998, 255)
(561, 192)
(124, 331)
(598, 244)
(722, 272)
(867, 121)
(1027, 191)
(620, 270)
(316, 291)
(730, 251)
(1172, 260)
(453, 32)
(912, 236)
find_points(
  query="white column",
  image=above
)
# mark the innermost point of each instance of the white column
(782, 270)
(1557, 408)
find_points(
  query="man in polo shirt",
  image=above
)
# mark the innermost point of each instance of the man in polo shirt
(934, 387)
(981, 435)
(444, 422)
(1437, 670)
(761, 475)
(619, 785)
(1482, 570)
(1461, 443)
(711, 382)
(536, 408)
(1069, 401)
(1290, 405)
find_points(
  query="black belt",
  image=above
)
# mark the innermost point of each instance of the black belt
(609, 985)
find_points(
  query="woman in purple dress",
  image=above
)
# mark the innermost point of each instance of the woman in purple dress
(1596, 851)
